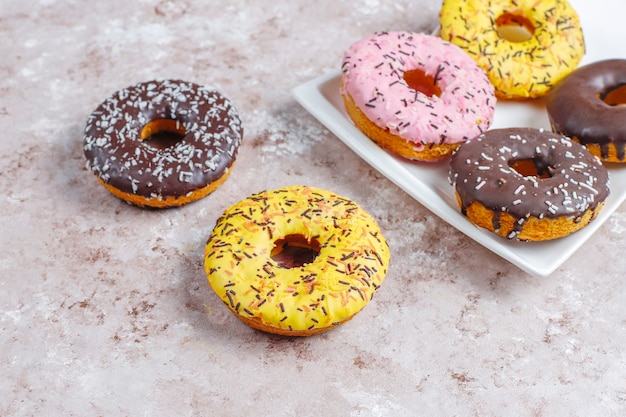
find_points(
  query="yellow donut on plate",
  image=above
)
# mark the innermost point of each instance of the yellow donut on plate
(525, 46)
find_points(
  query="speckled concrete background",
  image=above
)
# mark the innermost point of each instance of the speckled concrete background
(105, 309)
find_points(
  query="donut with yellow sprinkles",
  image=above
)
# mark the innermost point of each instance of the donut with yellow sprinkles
(525, 46)
(296, 261)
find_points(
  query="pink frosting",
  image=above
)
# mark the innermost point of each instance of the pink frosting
(373, 75)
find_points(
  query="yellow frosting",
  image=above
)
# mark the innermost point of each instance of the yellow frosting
(517, 69)
(351, 264)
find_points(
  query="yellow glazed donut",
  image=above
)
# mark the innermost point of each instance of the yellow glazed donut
(523, 63)
(342, 261)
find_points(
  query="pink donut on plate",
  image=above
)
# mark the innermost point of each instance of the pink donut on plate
(415, 94)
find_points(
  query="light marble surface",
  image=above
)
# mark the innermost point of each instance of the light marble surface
(105, 309)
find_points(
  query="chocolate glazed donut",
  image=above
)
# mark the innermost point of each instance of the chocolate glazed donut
(589, 106)
(528, 184)
(200, 133)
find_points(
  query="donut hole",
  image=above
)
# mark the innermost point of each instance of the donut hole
(418, 80)
(293, 251)
(615, 96)
(162, 133)
(531, 168)
(514, 27)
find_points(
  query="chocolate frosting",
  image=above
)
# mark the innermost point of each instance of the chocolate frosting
(118, 155)
(481, 171)
(576, 109)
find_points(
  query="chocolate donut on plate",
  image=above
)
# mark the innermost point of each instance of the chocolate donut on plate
(590, 107)
(528, 184)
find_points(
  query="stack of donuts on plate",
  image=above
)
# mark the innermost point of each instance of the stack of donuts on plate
(432, 98)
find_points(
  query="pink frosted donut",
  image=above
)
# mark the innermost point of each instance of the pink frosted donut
(415, 94)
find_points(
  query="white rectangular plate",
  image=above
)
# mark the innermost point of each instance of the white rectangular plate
(428, 183)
